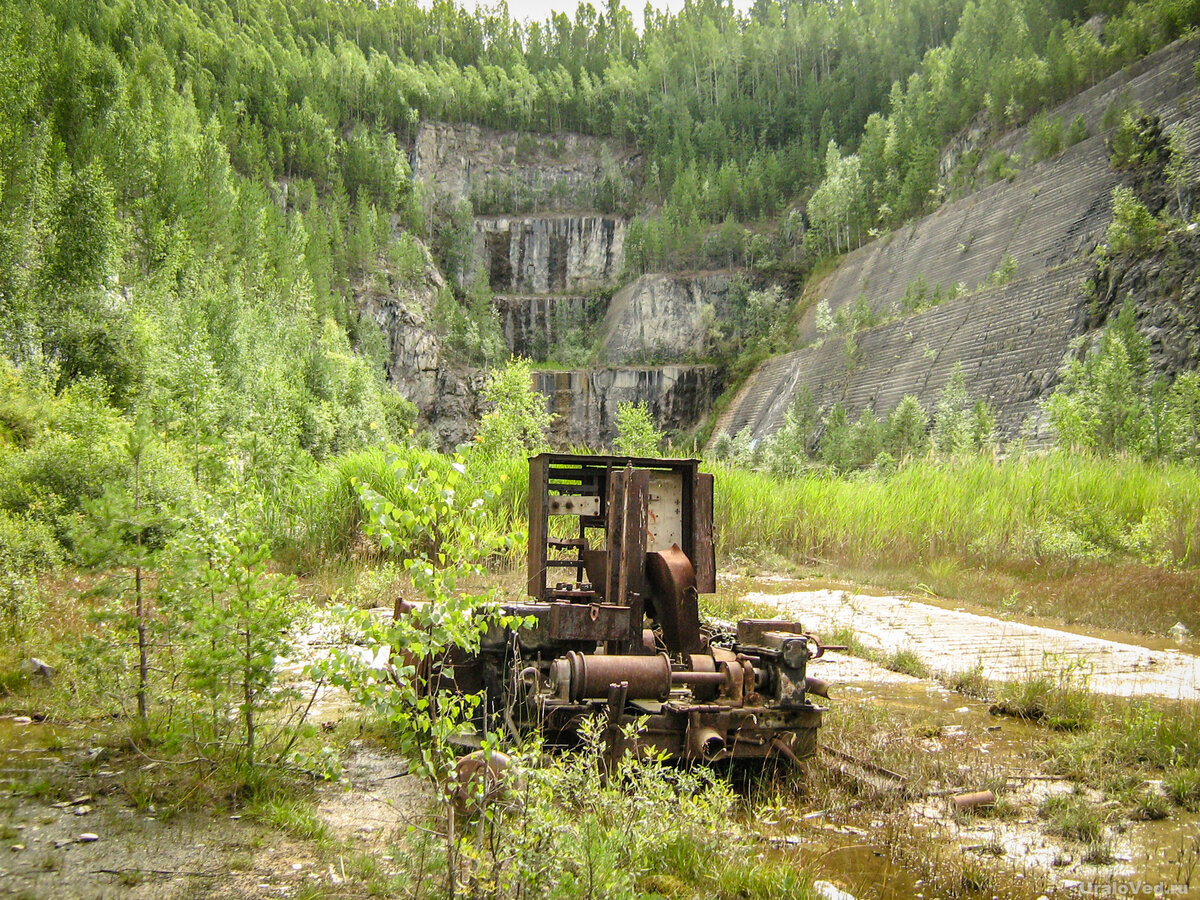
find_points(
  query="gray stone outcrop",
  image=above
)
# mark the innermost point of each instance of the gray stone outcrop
(549, 254)
(585, 401)
(402, 311)
(548, 171)
(663, 317)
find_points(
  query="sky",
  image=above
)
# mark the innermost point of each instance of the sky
(539, 10)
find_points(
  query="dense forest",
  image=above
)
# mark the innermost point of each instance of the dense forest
(192, 193)
(207, 479)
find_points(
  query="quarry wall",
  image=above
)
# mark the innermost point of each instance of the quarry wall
(1010, 340)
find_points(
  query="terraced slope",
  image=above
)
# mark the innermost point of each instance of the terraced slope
(1010, 340)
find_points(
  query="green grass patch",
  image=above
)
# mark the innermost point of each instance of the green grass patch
(1183, 787)
(1113, 542)
(1072, 817)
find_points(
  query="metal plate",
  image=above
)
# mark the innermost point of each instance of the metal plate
(664, 511)
(573, 505)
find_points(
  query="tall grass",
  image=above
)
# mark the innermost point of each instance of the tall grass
(322, 517)
(1053, 506)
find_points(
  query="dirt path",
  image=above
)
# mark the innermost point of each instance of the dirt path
(949, 640)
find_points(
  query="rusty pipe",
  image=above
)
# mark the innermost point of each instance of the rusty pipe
(649, 677)
(707, 742)
(717, 678)
(818, 686)
(973, 799)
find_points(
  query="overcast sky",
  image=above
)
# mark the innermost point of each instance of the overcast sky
(539, 10)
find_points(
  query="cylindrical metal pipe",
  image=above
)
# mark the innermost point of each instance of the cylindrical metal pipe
(818, 686)
(698, 678)
(707, 742)
(649, 677)
(974, 799)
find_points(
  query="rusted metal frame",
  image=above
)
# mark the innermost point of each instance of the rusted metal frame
(538, 527)
(703, 555)
(675, 599)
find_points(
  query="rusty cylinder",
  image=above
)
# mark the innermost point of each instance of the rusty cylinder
(717, 678)
(649, 677)
(974, 799)
(706, 742)
(818, 686)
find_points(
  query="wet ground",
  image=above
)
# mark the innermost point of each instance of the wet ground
(67, 829)
(1148, 858)
(954, 640)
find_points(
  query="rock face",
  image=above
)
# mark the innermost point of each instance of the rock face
(663, 317)
(585, 401)
(1010, 340)
(533, 325)
(446, 397)
(402, 313)
(544, 172)
(549, 254)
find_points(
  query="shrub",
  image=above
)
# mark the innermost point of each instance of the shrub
(636, 433)
(1133, 229)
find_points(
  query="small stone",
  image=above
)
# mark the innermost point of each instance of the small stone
(83, 798)
(82, 810)
(963, 709)
(17, 847)
(38, 667)
(88, 837)
(296, 867)
(21, 720)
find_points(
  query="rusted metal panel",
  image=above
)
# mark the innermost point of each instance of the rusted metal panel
(590, 622)
(664, 511)
(703, 551)
(675, 600)
(538, 526)
(574, 505)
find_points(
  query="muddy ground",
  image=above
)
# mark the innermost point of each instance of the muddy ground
(70, 826)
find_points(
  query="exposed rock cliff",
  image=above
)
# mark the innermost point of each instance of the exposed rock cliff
(545, 172)
(447, 397)
(549, 253)
(663, 317)
(1010, 342)
(585, 401)
(534, 325)
(402, 311)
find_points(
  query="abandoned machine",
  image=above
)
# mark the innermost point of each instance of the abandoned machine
(619, 550)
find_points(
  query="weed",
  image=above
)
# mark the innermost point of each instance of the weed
(906, 661)
(1058, 702)
(969, 682)
(846, 636)
(1150, 806)
(1072, 817)
(1183, 787)
(295, 816)
(1098, 853)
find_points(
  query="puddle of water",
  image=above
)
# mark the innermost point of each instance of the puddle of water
(1164, 853)
(26, 749)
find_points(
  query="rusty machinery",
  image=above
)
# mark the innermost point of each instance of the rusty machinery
(619, 550)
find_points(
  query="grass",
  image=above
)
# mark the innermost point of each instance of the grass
(294, 815)
(1183, 787)
(1072, 817)
(907, 662)
(1029, 527)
